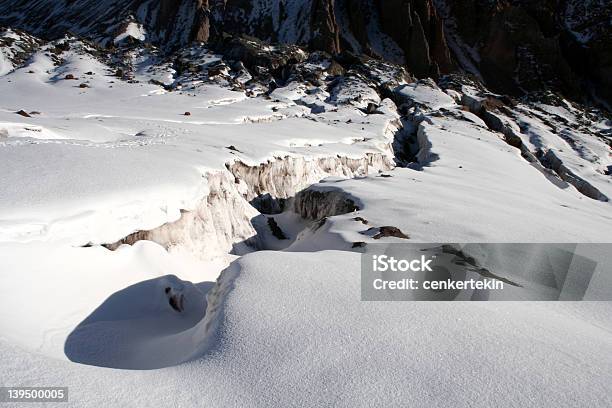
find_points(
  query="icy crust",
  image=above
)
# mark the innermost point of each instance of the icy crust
(219, 224)
(222, 221)
(284, 177)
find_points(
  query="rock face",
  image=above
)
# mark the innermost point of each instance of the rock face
(515, 46)
(521, 46)
(402, 31)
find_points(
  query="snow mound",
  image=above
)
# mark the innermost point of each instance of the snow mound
(425, 93)
(146, 325)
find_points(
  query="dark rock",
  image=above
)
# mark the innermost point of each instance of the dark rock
(276, 230)
(371, 108)
(324, 27)
(361, 219)
(159, 83)
(313, 204)
(470, 263)
(266, 204)
(521, 45)
(388, 231)
(259, 58)
(187, 114)
(69, 76)
(216, 69)
(359, 244)
(516, 45)
(176, 300)
(23, 113)
(335, 68)
(83, 85)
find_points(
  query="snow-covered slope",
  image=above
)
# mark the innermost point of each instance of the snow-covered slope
(469, 184)
(131, 179)
(314, 343)
(125, 155)
(15, 48)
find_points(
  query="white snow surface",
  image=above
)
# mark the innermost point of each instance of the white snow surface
(101, 162)
(478, 189)
(314, 343)
(422, 93)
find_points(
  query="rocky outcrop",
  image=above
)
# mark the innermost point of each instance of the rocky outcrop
(520, 46)
(411, 26)
(586, 42)
(315, 205)
(418, 30)
(515, 46)
(324, 27)
(403, 31)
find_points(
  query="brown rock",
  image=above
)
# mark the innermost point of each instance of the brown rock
(176, 300)
(417, 58)
(201, 22)
(276, 230)
(324, 27)
(361, 220)
(388, 231)
(520, 45)
(23, 113)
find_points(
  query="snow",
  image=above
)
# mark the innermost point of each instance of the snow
(283, 327)
(72, 282)
(13, 45)
(5, 65)
(425, 93)
(125, 158)
(585, 155)
(355, 91)
(478, 189)
(329, 347)
(133, 30)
